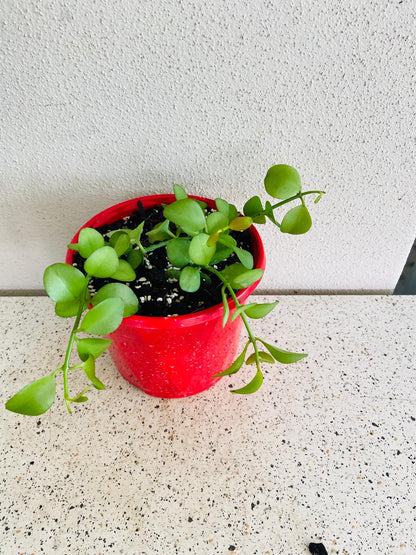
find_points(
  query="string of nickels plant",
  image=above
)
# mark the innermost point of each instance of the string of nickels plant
(200, 241)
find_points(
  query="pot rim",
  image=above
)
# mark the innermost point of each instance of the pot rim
(122, 209)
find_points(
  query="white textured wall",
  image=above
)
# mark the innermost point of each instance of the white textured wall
(104, 100)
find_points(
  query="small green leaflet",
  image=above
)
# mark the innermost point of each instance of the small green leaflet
(268, 210)
(227, 240)
(236, 365)
(245, 257)
(254, 209)
(124, 272)
(112, 290)
(199, 251)
(135, 258)
(216, 221)
(89, 240)
(89, 369)
(102, 263)
(160, 232)
(232, 271)
(263, 357)
(35, 398)
(63, 282)
(213, 239)
(241, 309)
(79, 399)
(246, 278)
(136, 233)
(120, 241)
(91, 346)
(260, 310)
(178, 252)
(179, 192)
(251, 387)
(226, 308)
(229, 210)
(240, 223)
(221, 253)
(187, 214)
(284, 357)
(69, 309)
(103, 318)
(297, 221)
(282, 181)
(190, 279)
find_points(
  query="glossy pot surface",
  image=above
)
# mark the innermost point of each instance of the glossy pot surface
(174, 356)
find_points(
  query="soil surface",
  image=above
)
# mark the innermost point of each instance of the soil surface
(156, 288)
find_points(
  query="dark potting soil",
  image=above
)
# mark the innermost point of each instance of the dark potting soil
(156, 288)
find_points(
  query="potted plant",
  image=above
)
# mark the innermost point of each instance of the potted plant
(201, 259)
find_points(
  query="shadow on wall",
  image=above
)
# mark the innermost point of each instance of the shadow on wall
(407, 281)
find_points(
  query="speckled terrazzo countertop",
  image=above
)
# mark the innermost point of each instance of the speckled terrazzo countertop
(324, 452)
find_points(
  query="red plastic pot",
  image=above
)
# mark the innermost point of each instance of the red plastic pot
(174, 356)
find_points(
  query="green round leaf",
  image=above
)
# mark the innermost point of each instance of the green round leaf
(178, 252)
(216, 221)
(118, 290)
(89, 369)
(246, 278)
(81, 399)
(296, 221)
(284, 357)
(252, 387)
(241, 309)
(199, 251)
(102, 263)
(136, 233)
(187, 214)
(68, 309)
(254, 209)
(260, 310)
(236, 365)
(35, 398)
(179, 192)
(263, 357)
(245, 257)
(160, 232)
(135, 258)
(91, 346)
(282, 181)
(89, 240)
(227, 240)
(63, 282)
(124, 272)
(120, 241)
(222, 252)
(232, 271)
(229, 210)
(213, 239)
(103, 318)
(190, 279)
(241, 223)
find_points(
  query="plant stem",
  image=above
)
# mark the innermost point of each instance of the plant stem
(298, 195)
(237, 305)
(154, 247)
(65, 366)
